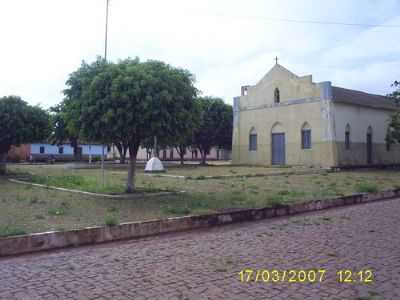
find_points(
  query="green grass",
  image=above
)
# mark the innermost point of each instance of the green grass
(84, 183)
(34, 209)
(367, 187)
(285, 197)
(111, 220)
(113, 209)
(78, 182)
(56, 211)
(11, 231)
(177, 210)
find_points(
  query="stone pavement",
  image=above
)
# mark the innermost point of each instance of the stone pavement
(205, 264)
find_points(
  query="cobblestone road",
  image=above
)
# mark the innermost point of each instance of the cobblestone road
(205, 264)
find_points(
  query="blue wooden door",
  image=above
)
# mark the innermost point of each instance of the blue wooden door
(278, 149)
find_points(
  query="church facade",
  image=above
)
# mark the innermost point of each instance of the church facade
(287, 119)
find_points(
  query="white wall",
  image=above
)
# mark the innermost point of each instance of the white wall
(68, 150)
(142, 155)
(93, 149)
(360, 118)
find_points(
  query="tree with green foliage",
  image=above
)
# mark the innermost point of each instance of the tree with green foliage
(393, 134)
(215, 126)
(61, 131)
(395, 96)
(150, 142)
(184, 140)
(66, 117)
(181, 146)
(122, 150)
(393, 131)
(130, 101)
(20, 123)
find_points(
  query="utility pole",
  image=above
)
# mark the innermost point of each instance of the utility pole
(102, 166)
(105, 58)
(155, 147)
(106, 37)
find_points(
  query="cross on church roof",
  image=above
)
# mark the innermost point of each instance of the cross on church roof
(276, 60)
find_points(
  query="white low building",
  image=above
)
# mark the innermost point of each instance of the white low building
(64, 151)
(170, 154)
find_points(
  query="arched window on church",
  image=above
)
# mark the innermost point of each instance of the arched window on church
(253, 140)
(306, 136)
(347, 137)
(277, 96)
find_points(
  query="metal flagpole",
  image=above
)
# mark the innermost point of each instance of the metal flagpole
(105, 58)
(102, 165)
(106, 37)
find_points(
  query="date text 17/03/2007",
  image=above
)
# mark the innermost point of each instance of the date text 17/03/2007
(305, 276)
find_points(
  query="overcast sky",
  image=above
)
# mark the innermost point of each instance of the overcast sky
(224, 43)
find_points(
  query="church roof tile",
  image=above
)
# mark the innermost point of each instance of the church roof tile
(354, 97)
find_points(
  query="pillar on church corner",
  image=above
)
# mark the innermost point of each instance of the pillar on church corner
(328, 137)
(326, 90)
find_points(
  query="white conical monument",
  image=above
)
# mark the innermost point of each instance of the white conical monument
(154, 164)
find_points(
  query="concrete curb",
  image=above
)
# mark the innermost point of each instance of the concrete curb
(291, 173)
(94, 235)
(165, 175)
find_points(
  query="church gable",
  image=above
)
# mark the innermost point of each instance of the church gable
(278, 86)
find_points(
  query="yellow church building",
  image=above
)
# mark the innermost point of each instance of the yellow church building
(287, 119)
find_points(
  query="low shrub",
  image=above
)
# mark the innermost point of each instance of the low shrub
(111, 220)
(366, 187)
(56, 211)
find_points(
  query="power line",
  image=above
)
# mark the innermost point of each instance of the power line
(284, 20)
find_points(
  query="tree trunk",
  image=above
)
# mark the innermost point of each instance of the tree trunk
(203, 157)
(75, 146)
(75, 153)
(122, 149)
(119, 148)
(181, 151)
(130, 183)
(148, 153)
(3, 168)
(125, 149)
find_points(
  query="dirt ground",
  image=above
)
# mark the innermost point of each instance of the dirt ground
(32, 209)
